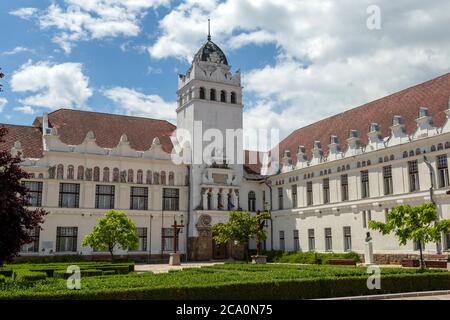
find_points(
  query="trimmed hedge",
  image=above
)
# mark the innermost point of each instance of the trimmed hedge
(6, 273)
(63, 274)
(309, 257)
(269, 290)
(26, 275)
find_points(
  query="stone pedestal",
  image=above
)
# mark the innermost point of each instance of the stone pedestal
(368, 254)
(174, 259)
(259, 259)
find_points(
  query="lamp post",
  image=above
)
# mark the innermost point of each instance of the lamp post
(431, 170)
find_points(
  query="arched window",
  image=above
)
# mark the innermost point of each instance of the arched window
(70, 172)
(130, 176)
(96, 174)
(433, 148)
(60, 172)
(140, 177)
(202, 93)
(411, 153)
(386, 158)
(105, 174)
(171, 178)
(392, 158)
(233, 97)
(363, 163)
(440, 146)
(116, 175)
(358, 164)
(447, 145)
(163, 177)
(41, 176)
(347, 167)
(418, 151)
(212, 94)
(369, 162)
(149, 177)
(80, 173)
(251, 201)
(223, 96)
(155, 178)
(338, 169)
(405, 154)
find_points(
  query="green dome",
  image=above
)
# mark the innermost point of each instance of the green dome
(210, 52)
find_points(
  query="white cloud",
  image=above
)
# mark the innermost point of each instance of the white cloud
(17, 50)
(3, 102)
(327, 59)
(24, 110)
(133, 102)
(24, 13)
(53, 85)
(79, 20)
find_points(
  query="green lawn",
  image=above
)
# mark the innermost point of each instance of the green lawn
(228, 281)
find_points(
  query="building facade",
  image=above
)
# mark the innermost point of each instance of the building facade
(334, 176)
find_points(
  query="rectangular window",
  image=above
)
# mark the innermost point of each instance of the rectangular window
(34, 245)
(282, 246)
(171, 199)
(367, 216)
(167, 239)
(347, 239)
(328, 240)
(69, 195)
(142, 234)
(66, 239)
(387, 180)
(326, 190)
(413, 172)
(344, 187)
(365, 184)
(442, 167)
(309, 193)
(280, 198)
(264, 200)
(294, 196)
(447, 241)
(416, 245)
(34, 192)
(104, 197)
(139, 198)
(296, 241)
(311, 240)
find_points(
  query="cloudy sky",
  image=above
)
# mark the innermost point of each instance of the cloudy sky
(301, 60)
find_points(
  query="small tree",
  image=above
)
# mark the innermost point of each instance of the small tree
(16, 220)
(115, 229)
(419, 223)
(241, 227)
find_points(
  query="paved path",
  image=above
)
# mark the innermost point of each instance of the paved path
(160, 268)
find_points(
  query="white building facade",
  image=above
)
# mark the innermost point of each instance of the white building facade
(335, 175)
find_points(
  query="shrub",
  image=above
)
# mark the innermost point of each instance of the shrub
(6, 273)
(109, 272)
(308, 257)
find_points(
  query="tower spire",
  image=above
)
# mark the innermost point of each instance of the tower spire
(209, 29)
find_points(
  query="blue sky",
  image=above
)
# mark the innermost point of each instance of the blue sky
(301, 60)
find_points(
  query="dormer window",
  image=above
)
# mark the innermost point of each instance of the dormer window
(223, 96)
(233, 97)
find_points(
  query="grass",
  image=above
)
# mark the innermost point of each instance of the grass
(227, 281)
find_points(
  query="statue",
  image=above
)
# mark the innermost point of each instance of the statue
(368, 252)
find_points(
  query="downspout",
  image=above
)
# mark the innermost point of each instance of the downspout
(188, 220)
(430, 168)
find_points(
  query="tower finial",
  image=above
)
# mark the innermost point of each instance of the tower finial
(209, 29)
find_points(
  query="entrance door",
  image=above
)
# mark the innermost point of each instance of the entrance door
(219, 251)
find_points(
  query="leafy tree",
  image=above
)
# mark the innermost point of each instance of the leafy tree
(16, 220)
(242, 226)
(115, 229)
(419, 223)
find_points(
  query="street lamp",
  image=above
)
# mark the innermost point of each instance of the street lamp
(431, 170)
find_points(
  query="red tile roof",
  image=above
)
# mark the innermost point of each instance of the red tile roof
(252, 162)
(73, 125)
(433, 94)
(29, 137)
